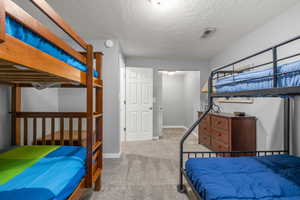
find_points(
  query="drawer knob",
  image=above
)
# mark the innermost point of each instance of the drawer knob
(220, 134)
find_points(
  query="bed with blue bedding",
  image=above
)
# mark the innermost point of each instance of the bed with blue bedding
(41, 172)
(289, 76)
(247, 178)
(20, 32)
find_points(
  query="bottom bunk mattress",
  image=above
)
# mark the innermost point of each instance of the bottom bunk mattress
(41, 172)
(262, 178)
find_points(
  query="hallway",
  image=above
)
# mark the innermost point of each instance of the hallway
(148, 170)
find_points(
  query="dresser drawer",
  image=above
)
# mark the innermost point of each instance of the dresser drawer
(220, 135)
(219, 146)
(220, 122)
(205, 121)
(205, 139)
(204, 129)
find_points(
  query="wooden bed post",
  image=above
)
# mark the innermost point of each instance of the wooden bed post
(15, 122)
(90, 105)
(2, 21)
(99, 120)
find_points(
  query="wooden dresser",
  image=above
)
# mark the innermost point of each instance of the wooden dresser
(227, 132)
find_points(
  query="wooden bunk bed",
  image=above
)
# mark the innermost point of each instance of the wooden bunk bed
(268, 174)
(23, 63)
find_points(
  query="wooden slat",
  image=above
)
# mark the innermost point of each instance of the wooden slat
(71, 130)
(51, 114)
(34, 131)
(98, 57)
(97, 115)
(62, 127)
(36, 75)
(80, 131)
(50, 12)
(31, 23)
(97, 145)
(52, 131)
(76, 195)
(2, 21)
(43, 130)
(96, 175)
(96, 155)
(32, 79)
(25, 131)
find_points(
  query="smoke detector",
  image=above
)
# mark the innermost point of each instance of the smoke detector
(208, 32)
(108, 43)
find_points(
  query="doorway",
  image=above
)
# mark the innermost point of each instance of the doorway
(178, 99)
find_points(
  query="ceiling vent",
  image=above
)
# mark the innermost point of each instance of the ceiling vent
(208, 32)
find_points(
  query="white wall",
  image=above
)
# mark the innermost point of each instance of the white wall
(34, 100)
(173, 100)
(192, 96)
(122, 96)
(75, 99)
(4, 117)
(181, 98)
(268, 111)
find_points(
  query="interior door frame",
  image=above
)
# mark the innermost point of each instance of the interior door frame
(155, 91)
(153, 101)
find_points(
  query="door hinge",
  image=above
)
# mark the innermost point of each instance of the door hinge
(125, 129)
(124, 101)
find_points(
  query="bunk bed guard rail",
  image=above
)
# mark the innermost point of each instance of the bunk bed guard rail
(274, 91)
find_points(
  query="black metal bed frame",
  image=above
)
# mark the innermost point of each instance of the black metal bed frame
(275, 91)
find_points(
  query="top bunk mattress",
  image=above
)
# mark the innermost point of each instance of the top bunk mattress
(289, 76)
(20, 32)
(262, 178)
(41, 172)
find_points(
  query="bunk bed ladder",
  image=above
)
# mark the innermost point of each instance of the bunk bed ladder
(98, 146)
(94, 150)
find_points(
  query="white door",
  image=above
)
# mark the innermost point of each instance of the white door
(159, 103)
(139, 103)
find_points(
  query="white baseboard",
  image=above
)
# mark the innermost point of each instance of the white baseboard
(155, 138)
(174, 127)
(112, 155)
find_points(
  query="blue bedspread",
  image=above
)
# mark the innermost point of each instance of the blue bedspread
(22, 33)
(261, 178)
(55, 176)
(285, 80)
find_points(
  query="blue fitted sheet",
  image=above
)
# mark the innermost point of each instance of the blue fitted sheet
(286, 80)
(261, 178)
(55, 176)
(22, 33)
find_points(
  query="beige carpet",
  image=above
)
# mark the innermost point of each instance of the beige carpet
(147, 170)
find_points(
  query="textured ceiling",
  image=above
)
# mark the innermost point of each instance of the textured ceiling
(171, 30)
